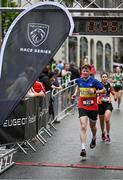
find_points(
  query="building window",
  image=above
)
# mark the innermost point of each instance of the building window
(91, 51)
(72, 45)
(99, 56)
(83, 48)
(120, 60)
(108, 57)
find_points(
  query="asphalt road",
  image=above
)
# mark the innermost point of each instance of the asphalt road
(59, 158)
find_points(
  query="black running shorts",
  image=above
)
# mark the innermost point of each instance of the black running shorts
(91, 114)
(117, 88)
(103, 107)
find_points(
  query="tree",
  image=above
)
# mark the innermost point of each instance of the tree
(8, 17)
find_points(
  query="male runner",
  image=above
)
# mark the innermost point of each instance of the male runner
(88, 88)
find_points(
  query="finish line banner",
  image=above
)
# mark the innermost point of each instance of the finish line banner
(32, 40)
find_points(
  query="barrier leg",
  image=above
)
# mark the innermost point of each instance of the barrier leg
(6, 157)
(40, 139)
(51, 122)
(21, 148)
(31, 146)
(1, 163)
(47, 132)
(52, 126)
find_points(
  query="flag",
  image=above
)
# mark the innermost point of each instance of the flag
(30, 43)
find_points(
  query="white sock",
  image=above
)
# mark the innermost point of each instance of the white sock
(83, 146)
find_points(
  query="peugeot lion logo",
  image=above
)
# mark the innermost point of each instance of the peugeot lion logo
(37, 33)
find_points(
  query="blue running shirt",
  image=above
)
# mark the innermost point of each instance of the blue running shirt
(86, 100)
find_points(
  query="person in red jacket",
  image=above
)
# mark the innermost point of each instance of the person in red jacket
(93, 70)
(38, 87)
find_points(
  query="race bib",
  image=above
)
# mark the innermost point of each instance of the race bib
(105, 99)
(118, 83)
(88, 102)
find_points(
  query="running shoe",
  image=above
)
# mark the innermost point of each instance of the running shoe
(83, 154)
(93, 143)
(103, 136)
(108, 140)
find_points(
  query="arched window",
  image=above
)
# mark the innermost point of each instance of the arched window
(92, 50)
(72, 45)
(120, 59)
(99, 56)
(107, 57)
(83, 47)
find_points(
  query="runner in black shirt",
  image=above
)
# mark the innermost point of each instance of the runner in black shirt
(105, 107)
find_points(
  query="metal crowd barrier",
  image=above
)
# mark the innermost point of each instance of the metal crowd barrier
(62, 101)
(6, 159)
(43, 117)
(30, 119)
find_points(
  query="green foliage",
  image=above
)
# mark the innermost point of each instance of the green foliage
(4, 3)
(8, 17)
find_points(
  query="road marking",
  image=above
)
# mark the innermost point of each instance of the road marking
(69, 165)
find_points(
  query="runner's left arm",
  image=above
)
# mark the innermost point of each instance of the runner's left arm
(100, 89)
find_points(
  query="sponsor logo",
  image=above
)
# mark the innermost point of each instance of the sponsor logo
(15, 122)
(37, 33)
(32, 119)
(19, 121)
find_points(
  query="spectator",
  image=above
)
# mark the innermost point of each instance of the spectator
(74, 72)
(48, 80)
(38, 87)
(93, 69)
(57, 77)
(54, 83)
(60, 66)
(45, 79)
(66, 74)
(53, 65)
(37, 90)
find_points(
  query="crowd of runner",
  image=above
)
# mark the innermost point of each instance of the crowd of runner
(95, 95)
(95, 100)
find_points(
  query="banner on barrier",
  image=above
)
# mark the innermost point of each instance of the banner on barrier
(21, 124)
(43, 111)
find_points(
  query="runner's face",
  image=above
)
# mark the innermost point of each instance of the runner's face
(118, 70)
(85, 73)
(104, 78)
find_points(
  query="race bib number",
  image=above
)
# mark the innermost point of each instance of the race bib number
(105, 99)
(88, 102)
(118, 84)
